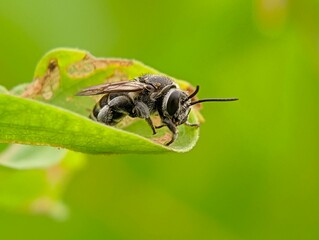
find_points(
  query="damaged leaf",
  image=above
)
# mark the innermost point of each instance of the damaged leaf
(50, 114)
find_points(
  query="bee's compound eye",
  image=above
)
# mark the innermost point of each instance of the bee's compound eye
(173, 102)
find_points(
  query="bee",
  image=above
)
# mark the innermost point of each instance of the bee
(141, 98)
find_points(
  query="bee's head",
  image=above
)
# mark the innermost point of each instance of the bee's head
(177, 104)
(175, 107)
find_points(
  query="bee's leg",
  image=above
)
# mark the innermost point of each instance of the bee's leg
(141, 110)
(149, 121)
(192, 124)
(160, 126)
(171, 126)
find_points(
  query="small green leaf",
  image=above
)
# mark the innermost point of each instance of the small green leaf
(30, 157)
(48, 112)
(39, 191)
(3, 90)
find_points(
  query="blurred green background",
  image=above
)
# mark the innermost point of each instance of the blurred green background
(254, 173)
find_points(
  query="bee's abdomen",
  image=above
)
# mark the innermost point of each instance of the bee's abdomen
(95, 112)
(112, 108)
(98, 106)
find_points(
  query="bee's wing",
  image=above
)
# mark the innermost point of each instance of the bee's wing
(116, 87)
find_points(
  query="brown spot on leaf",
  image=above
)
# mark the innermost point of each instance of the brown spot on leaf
(163, 139)
(89, 64)
(45, 85)
(70, 99)
(117, 76)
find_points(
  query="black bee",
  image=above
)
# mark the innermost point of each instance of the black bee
(142, 97)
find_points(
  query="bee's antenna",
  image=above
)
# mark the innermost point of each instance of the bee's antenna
(193, 94)
(214, 100)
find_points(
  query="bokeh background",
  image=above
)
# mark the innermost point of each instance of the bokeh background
(254, 173)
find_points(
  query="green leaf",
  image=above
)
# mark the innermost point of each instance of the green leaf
(39, 191)
(3, 90)
(30, 157)
(48, 112)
